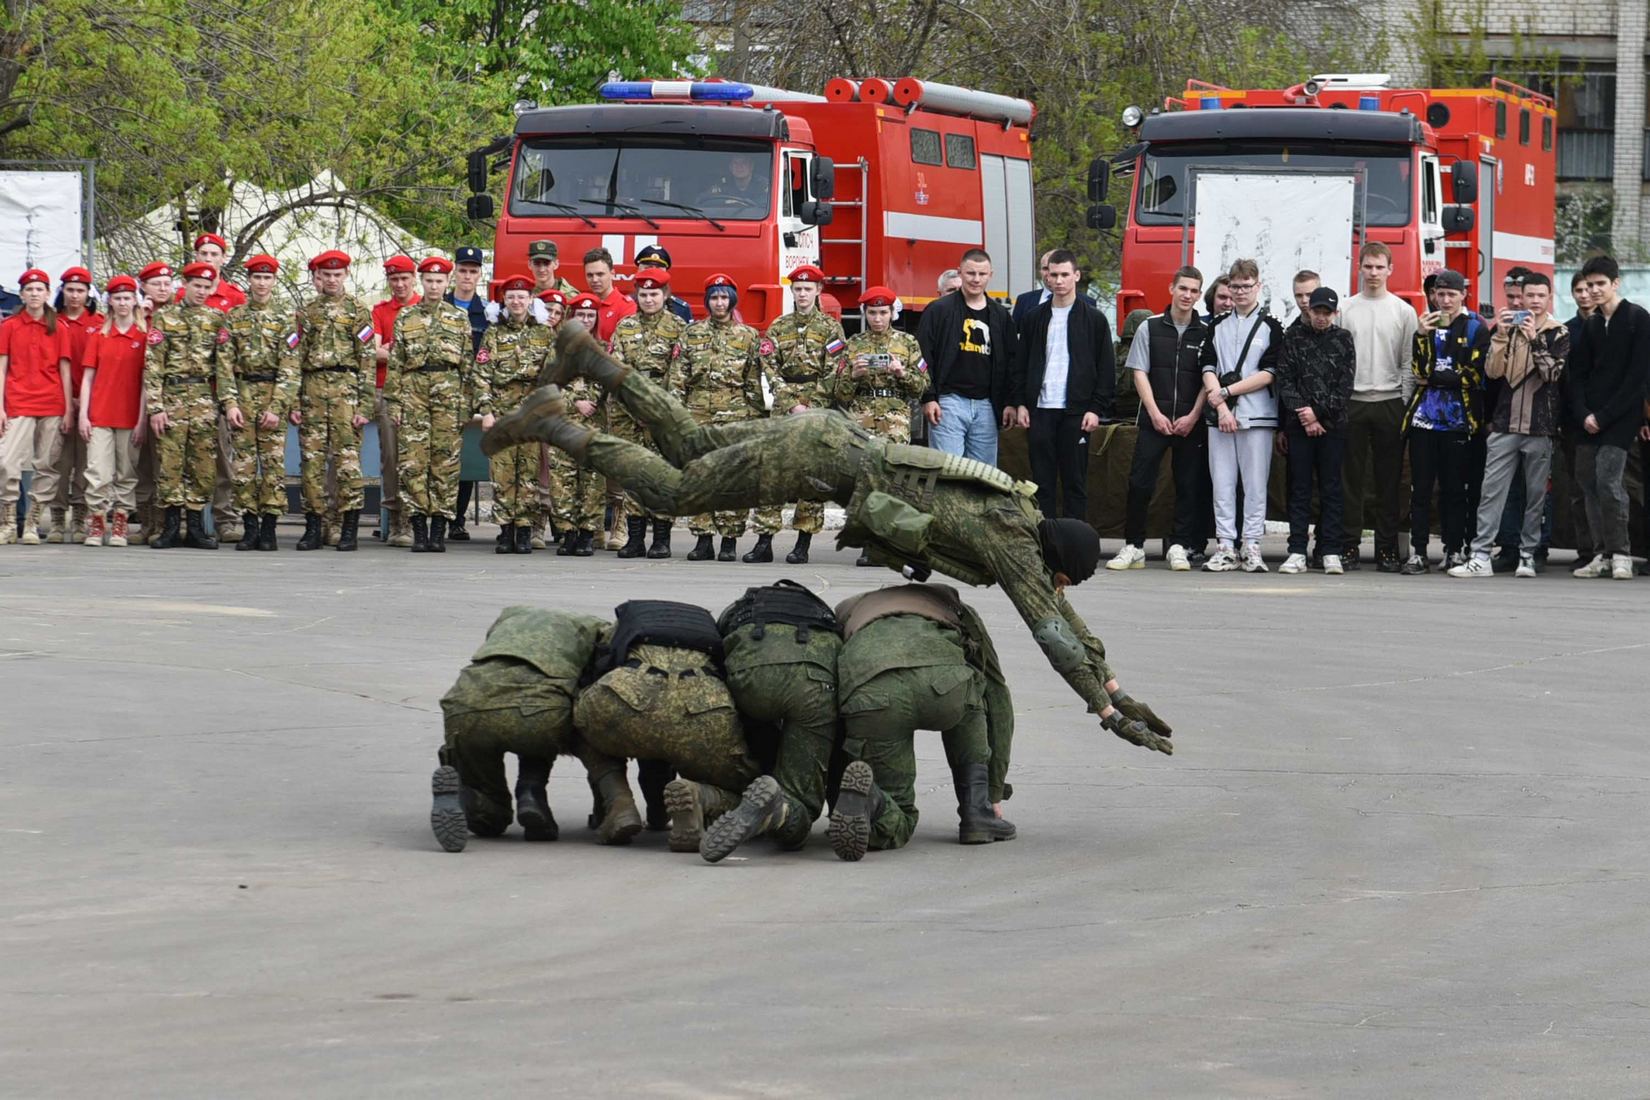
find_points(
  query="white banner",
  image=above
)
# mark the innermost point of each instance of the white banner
(1285, 223)
(40, 224)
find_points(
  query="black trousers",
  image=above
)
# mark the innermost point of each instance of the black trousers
(1373, 464)
(1437, 459)
(1190, 465)
(1478, 453)
(1315, 458)
(1059, 452)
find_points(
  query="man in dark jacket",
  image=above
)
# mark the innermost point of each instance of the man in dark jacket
(1607, 373)
(1314, 379)
(968, 342)
(1026, 304)
(1068, 372)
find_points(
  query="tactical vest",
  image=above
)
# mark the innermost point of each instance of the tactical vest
(783, 603)
(1174, 372)
(664, 623)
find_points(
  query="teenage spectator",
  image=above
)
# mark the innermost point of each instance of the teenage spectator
(1218, 299)
(1608, 369)
(1315, 375)
(112, 420)
(949, 281)
(968, 341)
(613, 306)
(34, 403)
(1448, 366)
(1383, 331)
(1527, 359)
(1304, 284)
(1509, 524)
(1238, 360)
(77, 315)
(1031, 299)
(1165, 357)
(1069, 371)
(1568, 431)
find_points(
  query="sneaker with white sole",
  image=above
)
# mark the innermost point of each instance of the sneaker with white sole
(1252, 562)
(1621, 567)
(1332, 565)
(1472, 567)
(1221, 561)
(1294, 563)
(1598, 567)
(1526, 566)
(1178, 561)
(1130, 557)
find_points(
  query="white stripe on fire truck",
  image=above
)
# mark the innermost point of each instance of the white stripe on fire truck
(614, 243)
(930, 227)
(1516, 246)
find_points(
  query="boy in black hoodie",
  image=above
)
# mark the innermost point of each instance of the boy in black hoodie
(1314, 380)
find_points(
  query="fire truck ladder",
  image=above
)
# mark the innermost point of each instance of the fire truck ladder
(859, 171)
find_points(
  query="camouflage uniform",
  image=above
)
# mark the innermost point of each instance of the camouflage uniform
(653, 346)
(578, 495)
(178, 372)
(804, 350)
(258, 374)
(507, 368)
(338, 369)
(881, 400)
(425, 389)
(721, 383)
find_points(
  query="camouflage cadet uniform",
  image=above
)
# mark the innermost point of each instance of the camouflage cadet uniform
(881, 401)
(517, 696)
(179, 368)
(721, 383)
(805, 350)
(653, 346)
(337, 369)
(258, 374)
(507, 367)
(578, 495)
(425, 390)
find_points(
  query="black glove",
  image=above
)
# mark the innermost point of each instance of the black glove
(1135, 732)
(1140, 712)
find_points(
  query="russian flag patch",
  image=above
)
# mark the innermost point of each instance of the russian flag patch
(292, 340)
(365, 334)
(835, 347)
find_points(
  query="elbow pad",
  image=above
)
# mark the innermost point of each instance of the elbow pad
(1060, 645)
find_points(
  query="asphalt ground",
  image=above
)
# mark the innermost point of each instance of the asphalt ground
(1402, 851)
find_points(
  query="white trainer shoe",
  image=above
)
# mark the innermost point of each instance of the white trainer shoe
(1526, 566)
(1294, 563)
(1178, 561)
(1332, 565)
(1472, 567)
(1621, 567)
(1252, 562)
(1130, 557)
(1598, 567)
(1221, 561)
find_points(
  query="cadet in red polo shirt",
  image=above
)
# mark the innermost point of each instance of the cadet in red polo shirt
(400, 277)
(34, 403)
(68, 509)
(213, 249)
(613, 307)
(111, 412)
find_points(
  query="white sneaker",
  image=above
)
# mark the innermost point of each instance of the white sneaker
(1332, 565)
(1598, 567)
(1221, 561)
(1178, 561)
(1252, 562)
(1130, 557)
(1621, 567)
(1473, 567)
(1526, 566)
(1294, 563)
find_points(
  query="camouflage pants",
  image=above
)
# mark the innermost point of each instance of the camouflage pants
(328, 436)
(578, 495)
(729, 523)
(187, 452)
(71, 470)
(626, 427)
(259, 465)
(429, 440)
(515, 474)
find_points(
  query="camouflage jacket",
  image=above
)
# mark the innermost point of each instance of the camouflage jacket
(806, 349)
(652, 345)
(722, 370)
(257, 371)
(181, 358)
(335, 336)
(880, 390)
(507, 366)
(559, 644)
(432, 335)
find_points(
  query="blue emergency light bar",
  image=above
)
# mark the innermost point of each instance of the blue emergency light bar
(676, 89)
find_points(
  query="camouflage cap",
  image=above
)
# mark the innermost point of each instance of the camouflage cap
(542, 250)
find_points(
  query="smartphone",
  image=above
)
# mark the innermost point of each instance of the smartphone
(1519, 316)
(880, 360)
(1431, 319)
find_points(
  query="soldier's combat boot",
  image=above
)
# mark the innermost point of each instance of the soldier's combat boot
(266, 531)
(703, 550)
(168, 528)
(569, 539)
(506, 541)
(977, 822)
(761, 552)
(313, 536)
(400, 534)
(524, 539)
(578, 355)
(348, 529)
(249, 532)
(858, 803)
(329, 527)
(195, 531)
(636, 545)
(31, 525)
(447, 821)
(729, 551)
(520, 424)
(57, 527)
(438, 535)
(764, 808)
(653, 776)
(535, 533)
(620, 819)
(77, 522)
(692, 806)
(420, 534)
(584, 544)
(532, 803)
(661, 539)
(863, 560)
(799, 552)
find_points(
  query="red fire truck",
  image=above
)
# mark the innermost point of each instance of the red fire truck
(1460, 178)
(877, 181)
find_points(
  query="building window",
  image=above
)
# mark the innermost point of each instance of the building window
(925, 146)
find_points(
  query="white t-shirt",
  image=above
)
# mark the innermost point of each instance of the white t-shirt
(1383, 334)
(1056, 361)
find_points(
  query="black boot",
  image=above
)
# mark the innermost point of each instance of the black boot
(168, 531)
(977, 822)
(266, 531)
(447, 821)
(858, 804)
(348, 525)
(636, 545)
(532, 803)
(195, 523)
(312, 532)
(703, 550)
(761, 552)
(763, 809)
(569, 540)
(661, 539)
(523, 535)
(584, 545)
(438, 535)
(653, 776)
(864, 559)
(421, 534)
(249, 532)
(799, 552)
(729, 551)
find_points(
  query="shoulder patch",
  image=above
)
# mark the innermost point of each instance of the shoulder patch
(484, 356)
(223, 336)
(365, 335)
(294, 337)
(156, 336)
(766, 347)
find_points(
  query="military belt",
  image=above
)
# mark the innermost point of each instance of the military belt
(800, 379)
(885, 393)
(261, 376)
(330, 370)
(190, 379)
(433, 368)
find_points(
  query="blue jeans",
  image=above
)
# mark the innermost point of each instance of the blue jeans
(967, 427)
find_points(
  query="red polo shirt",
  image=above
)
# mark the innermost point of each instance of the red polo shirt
(383, 323)
(225, 297)
(79, 331)
(116, 387)
(615, 308)
(34, 381)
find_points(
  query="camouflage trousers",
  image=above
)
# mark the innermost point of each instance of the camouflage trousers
(671, 708)
(430, 440)
(515, 474)
(626, 427)
(258, 464)
(71, 468)
(186, 454)
(730, 523)
(327, 436)
(578, 495)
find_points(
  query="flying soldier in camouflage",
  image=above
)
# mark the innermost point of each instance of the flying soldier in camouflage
(910, 508)
(512, 354)
(803, 351)
(337, 368)
(649, 341)
(578, 495)
(180, 367)
(721, 384)
(425, 386)
(257, 387)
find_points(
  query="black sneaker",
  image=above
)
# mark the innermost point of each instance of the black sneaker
(1415, 566)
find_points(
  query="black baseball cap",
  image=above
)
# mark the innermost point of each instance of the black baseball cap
(1324, 298)
(1450, 279)
(653, 254)
(468, 254)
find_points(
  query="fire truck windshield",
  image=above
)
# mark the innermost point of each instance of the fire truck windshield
(1388, 173)
(609, 174)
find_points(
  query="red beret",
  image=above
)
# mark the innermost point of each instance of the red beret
(653, 278)
(200, 271)
(211, 238)
(435, 265)
(720, 279)
(121, 283)
(156, 270)
(76, 275)
(33, 275)
(331, 260)
(806, 273)
(516, 282)
(586, 301)
(262, 264)
(399, 265)
(877, 296)
(553, 295)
